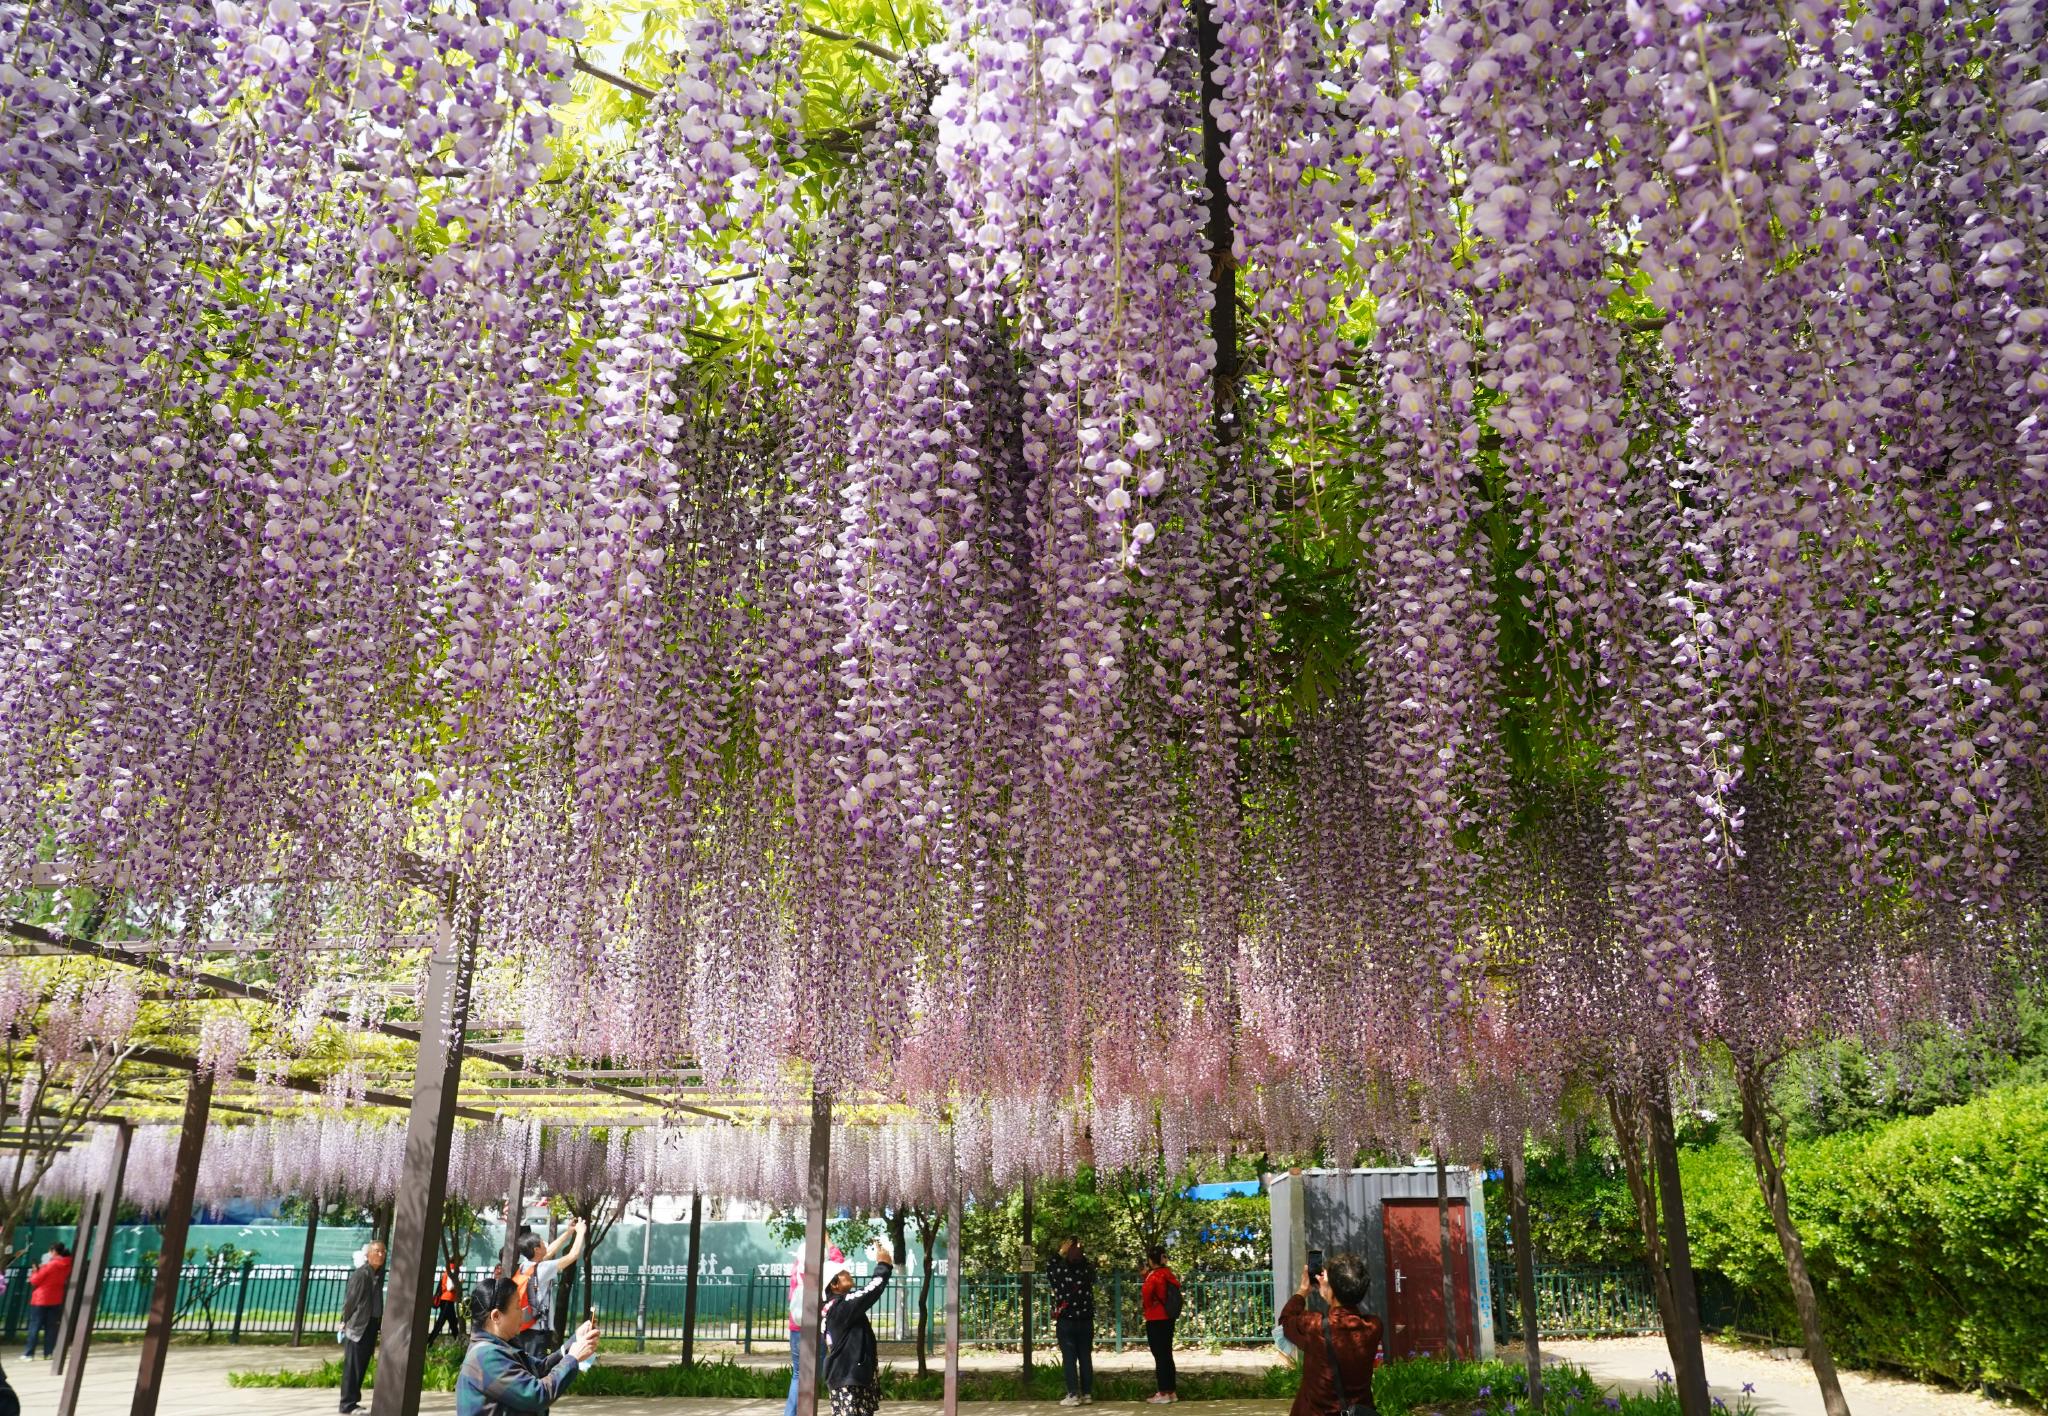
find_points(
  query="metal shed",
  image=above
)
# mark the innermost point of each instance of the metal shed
(1389, 1219)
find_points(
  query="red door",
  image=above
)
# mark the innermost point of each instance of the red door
(1415, 1278)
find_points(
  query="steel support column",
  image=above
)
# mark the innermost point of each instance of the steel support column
(423, 1178)
(163, 1299)
(814, 1252)
(1026, 1262)
(690, 1281)
(305, 1274)
(96, 1273)
(81, 1245)
(646, 1252)
(953, 1261)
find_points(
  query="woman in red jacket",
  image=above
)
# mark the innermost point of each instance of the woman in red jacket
(1161, 1296)
(46, 1298)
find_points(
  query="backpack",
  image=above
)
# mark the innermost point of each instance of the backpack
(519, 1282)
(1170, 1300)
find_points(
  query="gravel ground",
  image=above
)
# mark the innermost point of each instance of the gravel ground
(1783, 1383)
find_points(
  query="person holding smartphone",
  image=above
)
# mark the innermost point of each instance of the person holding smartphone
(1338, 1346)
(852, 1370)
(499, 1377)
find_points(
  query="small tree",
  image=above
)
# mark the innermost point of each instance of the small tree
(61, 1050)
(461, 1222)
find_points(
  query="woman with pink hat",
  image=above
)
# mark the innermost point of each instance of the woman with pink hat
(796, 1321)
(852, 1369)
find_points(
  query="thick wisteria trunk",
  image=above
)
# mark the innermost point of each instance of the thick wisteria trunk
(1514, 1164)
(1631, 1108)
(927, 1235)
(1766, 1147)
(1691, 1375)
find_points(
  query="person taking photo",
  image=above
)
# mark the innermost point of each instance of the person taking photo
(1337, 1348)
(852, 1370)
(500, 1377)
(1071, 1276)
(46, 1283)
(538, 1281)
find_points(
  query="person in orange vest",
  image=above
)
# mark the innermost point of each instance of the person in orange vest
(447, 1309)
(46, 1298)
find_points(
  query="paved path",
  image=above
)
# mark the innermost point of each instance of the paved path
(1784, 1384)
(196, 1385)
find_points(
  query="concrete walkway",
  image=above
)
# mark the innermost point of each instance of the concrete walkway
(1780, 1385)
(195, 1384)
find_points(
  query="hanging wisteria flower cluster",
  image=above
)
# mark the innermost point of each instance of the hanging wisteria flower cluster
(825, 605)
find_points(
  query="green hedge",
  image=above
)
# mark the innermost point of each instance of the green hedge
(1928, 1238)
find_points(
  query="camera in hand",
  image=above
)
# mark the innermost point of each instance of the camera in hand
(1315, 1263)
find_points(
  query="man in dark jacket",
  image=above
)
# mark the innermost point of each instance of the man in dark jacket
(362, 1313)
(1071, 1276)
(852, 1370)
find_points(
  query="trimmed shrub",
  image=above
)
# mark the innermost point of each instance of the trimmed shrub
(1928, 1239)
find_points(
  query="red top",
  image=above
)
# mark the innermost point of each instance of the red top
(447, 1293)
(1355, 1337)
(1154, 1293)
(46, 1282)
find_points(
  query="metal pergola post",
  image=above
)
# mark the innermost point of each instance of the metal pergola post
(163, 1298)
(690, 1281)
(96, 1273)
(953, 1259)
(1025, 1263)
(814, 1251)
(640, 1311)
(305, 1274)
(515, 1211)
(81, 1241)
(423, 1178)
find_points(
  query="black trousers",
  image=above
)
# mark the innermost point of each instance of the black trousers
(1077, 1354)
(355, 1360)
(446, 1316)
(1159, 1337)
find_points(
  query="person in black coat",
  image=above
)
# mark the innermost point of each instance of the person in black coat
(1071, 1275)
(852, 1370)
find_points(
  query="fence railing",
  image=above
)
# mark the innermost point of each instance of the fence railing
(229, 1303)
(1578, 1301)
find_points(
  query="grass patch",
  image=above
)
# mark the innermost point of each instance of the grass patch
(726, 1379)
(1431, 1385)
(1424, 1386)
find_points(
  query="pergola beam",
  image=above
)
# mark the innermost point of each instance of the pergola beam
(232, 988)
(158, 1057)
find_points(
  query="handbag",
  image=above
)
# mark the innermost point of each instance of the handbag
(1345, 1405)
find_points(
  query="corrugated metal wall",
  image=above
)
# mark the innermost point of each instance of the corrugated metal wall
(1336, 1210)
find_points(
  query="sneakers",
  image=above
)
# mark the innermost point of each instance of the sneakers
(1161, 1398)
(1070, 1400)
(1086, 1399)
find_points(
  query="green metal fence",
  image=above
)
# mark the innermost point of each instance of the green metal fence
(229, 1303)
(1578, 1301)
